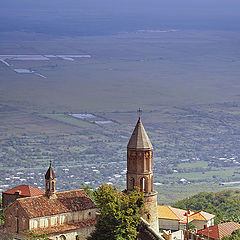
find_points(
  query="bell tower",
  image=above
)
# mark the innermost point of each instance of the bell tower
(140, 171)
(50, 188)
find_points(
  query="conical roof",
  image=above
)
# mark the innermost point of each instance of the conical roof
(50, 173)
(139, 139)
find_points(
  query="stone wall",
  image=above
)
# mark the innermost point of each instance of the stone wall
(82, 233)
(168, 224)
(15, 219)
(151, 215)
(8, 199)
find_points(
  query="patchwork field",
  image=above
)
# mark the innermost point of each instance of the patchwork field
(186, 82)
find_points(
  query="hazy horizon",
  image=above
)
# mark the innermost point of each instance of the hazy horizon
(94, 17)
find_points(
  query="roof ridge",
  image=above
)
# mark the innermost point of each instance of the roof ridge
(75, 190)
(170, 207)
(57, 193)
(198, 212)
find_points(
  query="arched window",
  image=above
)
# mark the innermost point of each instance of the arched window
(143, 184)
(62, 237)
(17, 220)
(151, 184)
(53, 186)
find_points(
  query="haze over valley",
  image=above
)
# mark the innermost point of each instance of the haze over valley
(72, 77)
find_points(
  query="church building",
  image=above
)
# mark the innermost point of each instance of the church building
(60, 215)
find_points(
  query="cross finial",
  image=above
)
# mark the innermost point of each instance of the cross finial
(50, 163)
(139, 111)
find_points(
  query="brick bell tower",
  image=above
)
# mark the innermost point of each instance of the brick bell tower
(140, 171)
(50, 178)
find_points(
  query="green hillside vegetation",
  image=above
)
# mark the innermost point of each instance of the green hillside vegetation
(225, 204)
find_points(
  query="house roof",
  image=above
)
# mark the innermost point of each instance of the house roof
(168, 212)
(220, 230)
(63, 202)
(26, 190)
(139, 139)
(202, 216)
(165, 212)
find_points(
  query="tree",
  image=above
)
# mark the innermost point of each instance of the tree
(119, 213)
(89, 191)
(2, 215)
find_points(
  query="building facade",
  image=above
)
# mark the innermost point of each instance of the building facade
(66, 215)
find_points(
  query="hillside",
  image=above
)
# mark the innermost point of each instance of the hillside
(225, 204)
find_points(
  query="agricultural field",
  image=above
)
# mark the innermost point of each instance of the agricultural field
(81, 114)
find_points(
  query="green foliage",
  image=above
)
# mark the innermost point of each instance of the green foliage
(120, 213)
(35, 236)
(234, 236)
(2, 216)
(89, 191)
(225, 204)
(191, 226)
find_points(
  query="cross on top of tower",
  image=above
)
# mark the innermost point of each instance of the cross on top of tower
(139, 111)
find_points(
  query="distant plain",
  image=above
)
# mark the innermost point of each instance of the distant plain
(186, 82)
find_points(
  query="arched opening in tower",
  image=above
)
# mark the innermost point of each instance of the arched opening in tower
(143, 184)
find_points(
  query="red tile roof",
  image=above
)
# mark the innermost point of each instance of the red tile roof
(70, 201)
(26, 190)
(220, 230)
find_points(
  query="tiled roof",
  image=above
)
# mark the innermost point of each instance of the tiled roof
(168, 212)
(65, 227)
(26, 190)
(180, 213)
(164, 212)
(202, 216)
(220, 230)
(139, 139)
(70, 201)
